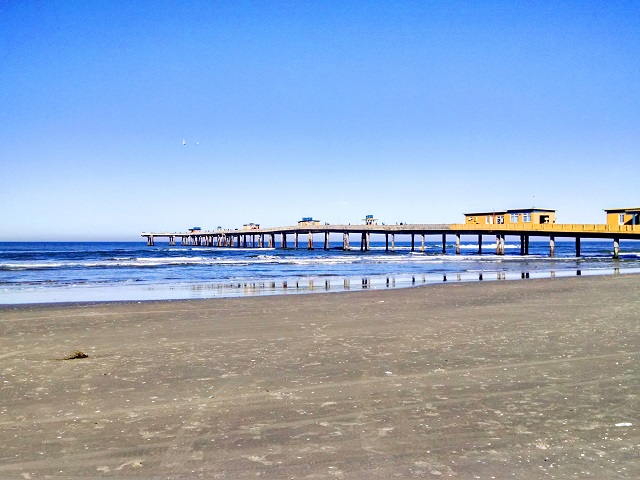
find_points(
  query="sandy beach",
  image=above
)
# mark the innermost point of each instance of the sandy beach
(520, 379)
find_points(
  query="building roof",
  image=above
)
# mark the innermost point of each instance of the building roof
(532, 209)
(480, 214)
(623, 210)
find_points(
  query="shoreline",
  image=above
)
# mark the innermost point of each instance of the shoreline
(259, 288)
(484, 379)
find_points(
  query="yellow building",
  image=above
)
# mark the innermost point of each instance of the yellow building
(525, 216)
(251, 226)
(623, 216)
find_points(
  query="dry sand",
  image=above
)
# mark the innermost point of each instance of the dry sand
(521, 379)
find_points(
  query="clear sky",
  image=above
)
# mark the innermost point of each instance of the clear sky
(411, 111)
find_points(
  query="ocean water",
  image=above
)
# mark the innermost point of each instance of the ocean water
(87, 272)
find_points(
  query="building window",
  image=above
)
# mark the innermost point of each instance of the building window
(621, 219)
(514, 218)
(489, 219)
(526, 217)
(500, 219)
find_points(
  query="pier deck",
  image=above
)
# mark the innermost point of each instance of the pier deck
(266, 237)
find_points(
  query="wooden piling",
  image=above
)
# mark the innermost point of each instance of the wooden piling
(310, 243)
(552, 246)
(457, 244)
(616, 248)
(345, 242)
(577, 246)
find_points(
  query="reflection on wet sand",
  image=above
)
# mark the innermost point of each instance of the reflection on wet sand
(231, 289)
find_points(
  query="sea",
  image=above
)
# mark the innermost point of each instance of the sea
(61, 272)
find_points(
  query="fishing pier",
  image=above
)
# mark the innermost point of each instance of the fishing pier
(291, 236)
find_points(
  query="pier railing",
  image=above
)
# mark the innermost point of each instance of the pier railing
(549, 227)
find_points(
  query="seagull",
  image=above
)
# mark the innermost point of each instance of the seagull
(183, 142)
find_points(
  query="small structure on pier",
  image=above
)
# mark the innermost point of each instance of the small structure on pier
(623, 216)
(195, 230)
(369, 220)
(251, 226)
(524, 216)
(308, 222)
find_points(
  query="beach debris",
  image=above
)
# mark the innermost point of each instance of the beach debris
(75, 355)
(388, 373)
(624, 424)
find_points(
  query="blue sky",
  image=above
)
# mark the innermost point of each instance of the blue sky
(412, 111)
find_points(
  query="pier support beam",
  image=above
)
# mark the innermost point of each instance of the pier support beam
(295, 240)
(365, 242)
(479, 244)
(422, 244)
(552, 246)
(393, 242)
(502, 238)
(577, 246)
(444, 243)
(521, 244)
(326, 240)
(526, 244)
(310, 243)
(498, 244)
(616, 248)
(284, 240)
(386, 242)
(413, 242)
(457, 244)
(345, 242)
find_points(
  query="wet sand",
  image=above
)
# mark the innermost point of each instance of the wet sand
(521, 379)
